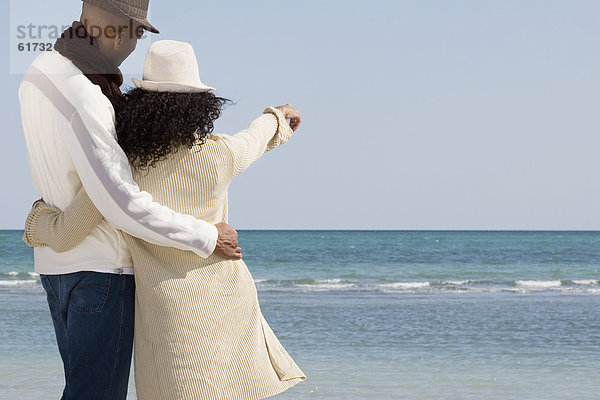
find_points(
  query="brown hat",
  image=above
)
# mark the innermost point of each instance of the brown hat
(137, 10)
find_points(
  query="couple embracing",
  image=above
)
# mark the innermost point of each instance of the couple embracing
(134, 217)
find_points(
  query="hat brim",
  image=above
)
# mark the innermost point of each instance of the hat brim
(146, 25)
(171, 87)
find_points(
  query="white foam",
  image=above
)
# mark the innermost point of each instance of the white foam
(30, 282)
(324, 286)
(260, 280)
(34, 275)
(586, 282)
(329, 280)
(457, 283)
(13, 273)
(404, 285)
(539, 284)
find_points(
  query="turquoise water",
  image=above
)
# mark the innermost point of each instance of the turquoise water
(383, 315)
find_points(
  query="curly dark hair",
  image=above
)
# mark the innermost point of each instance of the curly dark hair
(152, 125)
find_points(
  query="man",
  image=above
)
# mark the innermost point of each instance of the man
(68, 121)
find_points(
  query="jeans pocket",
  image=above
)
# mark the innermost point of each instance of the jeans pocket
(90, 292)
(53, 300)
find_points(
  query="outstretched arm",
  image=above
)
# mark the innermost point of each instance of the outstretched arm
(264, 134)
(61, 230)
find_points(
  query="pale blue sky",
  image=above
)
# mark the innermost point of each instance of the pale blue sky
(417, 114)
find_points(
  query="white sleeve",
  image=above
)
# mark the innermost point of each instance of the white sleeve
(106, 176)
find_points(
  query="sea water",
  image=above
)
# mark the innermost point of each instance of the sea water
(382, 315)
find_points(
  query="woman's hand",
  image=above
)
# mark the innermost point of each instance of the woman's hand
(292, 114)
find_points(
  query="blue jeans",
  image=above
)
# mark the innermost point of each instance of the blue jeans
(93, 316)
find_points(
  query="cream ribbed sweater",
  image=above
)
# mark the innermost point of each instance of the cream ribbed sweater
(199, 331)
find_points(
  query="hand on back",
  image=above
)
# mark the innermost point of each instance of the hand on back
(227, 242)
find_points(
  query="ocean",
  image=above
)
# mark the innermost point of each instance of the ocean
(382, 314)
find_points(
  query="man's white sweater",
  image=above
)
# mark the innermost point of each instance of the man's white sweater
(71, 140)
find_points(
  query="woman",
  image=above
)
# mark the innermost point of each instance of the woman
(199, 331)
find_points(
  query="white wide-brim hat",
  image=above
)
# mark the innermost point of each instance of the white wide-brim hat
(171, 66)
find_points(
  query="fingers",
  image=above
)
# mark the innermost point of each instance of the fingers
(233, 254)
(292, 114)
(229, 252)
(295, 122)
